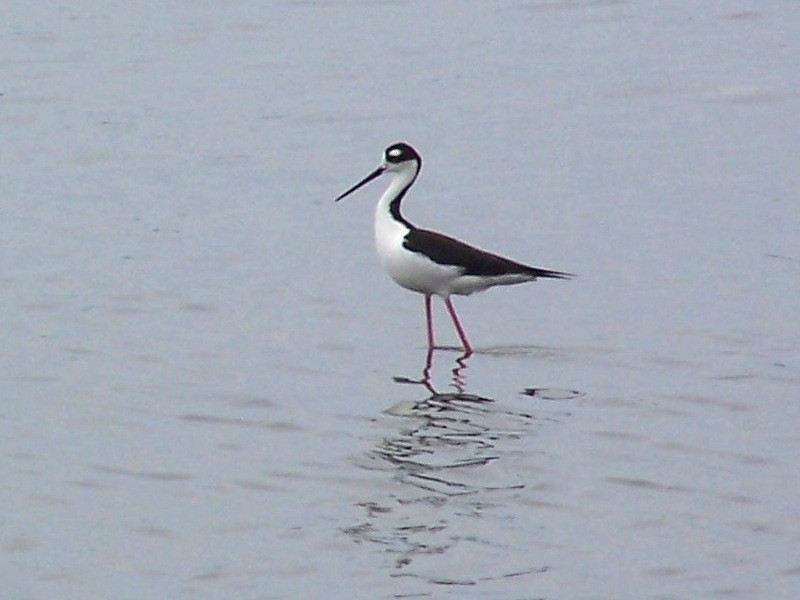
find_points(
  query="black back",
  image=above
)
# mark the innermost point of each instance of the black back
(444, 250)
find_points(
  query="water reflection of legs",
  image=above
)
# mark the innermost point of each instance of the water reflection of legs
(458, 374)
(444, 451)
(450, 462)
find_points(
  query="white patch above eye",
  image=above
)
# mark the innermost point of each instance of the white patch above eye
(395, 152)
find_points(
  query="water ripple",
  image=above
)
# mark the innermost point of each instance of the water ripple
(452, 458)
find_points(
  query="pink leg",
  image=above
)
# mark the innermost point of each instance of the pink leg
(451, 309)
(429, 320)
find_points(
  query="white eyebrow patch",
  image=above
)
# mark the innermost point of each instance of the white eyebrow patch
(395, 152)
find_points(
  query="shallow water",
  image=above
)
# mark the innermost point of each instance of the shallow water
(210, 389)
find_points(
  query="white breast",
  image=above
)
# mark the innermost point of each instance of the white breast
(411, 270)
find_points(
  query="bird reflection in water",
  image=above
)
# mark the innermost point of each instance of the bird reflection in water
(442, 452)
(459, 379)
(449, 434)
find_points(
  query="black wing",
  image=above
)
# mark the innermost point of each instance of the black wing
(444, 250)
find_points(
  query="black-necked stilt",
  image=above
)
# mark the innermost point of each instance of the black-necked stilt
(429, 262)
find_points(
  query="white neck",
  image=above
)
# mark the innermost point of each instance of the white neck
(400, 179)
(389, 232)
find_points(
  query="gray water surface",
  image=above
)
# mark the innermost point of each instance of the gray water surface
(208, 383)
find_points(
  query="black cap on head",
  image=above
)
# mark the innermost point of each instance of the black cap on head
(401, 152)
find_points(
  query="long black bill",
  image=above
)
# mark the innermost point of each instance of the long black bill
(364, 181)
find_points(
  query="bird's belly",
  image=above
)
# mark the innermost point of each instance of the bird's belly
(418, 273)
